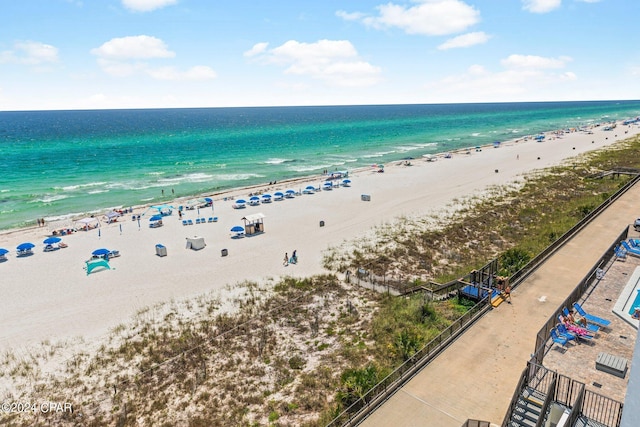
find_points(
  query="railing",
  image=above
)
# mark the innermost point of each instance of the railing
(602, 409)
(568, 392)
(542, 337)
(361, 408)
(476, 423)
(547, 401)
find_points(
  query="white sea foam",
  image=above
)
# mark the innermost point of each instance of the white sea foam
(238, 176)
(5, 191)
(81, 186)
(51, 198)
(97, 191)
(307, 168)
(476, 134)
(277, 161)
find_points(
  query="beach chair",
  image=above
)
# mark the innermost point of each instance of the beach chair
(591, 327)
(185, 222)
(215, 219)
(210, 219)
(558, 339)
(562, 331)
(591, 318)
(190, 221)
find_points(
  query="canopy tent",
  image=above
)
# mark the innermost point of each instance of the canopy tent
(253, 223)
(338, 174)
(164, 210)
(111, 216)
(87, 223)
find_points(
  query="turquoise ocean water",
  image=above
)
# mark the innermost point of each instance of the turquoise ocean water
(61, 163)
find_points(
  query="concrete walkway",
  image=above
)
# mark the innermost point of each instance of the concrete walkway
(476, 376)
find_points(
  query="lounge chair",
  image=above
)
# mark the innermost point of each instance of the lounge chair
(591, 327)
(185, 222)
(190, 221)
(215, 219)
(591, 318)
(562, 331)
(558, 339)
(210, 219)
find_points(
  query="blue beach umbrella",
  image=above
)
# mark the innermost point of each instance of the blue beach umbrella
(51, 240)
(3, 251)
(25, 246)
(241, 201)
(254, 198)
(237, 229)
(346, 181)
(101, 251)
(278, 193)
(155, 218)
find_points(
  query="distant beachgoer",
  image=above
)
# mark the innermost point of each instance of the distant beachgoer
(286, 259)
(518, 157)
(636, 313)
(163, 192)
(38, 221)
(42, 222)
(507, 294)
(173, 191)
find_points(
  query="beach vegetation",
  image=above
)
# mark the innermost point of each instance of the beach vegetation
(299, 351)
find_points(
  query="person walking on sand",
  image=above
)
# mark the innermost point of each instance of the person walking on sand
(507, 294)
(285, 262)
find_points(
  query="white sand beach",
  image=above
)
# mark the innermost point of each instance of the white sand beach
(49, 296)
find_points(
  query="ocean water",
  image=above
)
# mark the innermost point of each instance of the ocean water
(55, 164)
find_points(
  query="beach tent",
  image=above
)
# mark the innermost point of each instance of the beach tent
(196, 243)
(164, 210)
(87, 223)
(111, 216)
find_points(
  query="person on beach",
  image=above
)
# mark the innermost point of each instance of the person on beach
(507, 294)
(286, 259)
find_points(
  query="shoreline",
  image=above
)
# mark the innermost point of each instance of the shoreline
(48, 296)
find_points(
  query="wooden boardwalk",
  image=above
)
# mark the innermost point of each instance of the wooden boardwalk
(476, 376)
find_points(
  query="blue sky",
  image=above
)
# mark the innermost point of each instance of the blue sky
(93, 54)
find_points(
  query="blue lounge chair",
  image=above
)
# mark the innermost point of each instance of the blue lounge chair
(190, 221)
(185, 222)
(558, 339)
(591, 318)
(215, 219)
(210, 219)
(591, 327)
(562, 331)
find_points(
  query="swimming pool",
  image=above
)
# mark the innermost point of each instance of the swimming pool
(629, 299)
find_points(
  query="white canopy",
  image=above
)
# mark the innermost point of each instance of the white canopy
(254, 217)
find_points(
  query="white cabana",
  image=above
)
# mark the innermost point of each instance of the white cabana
(87, 223)
(253, 224)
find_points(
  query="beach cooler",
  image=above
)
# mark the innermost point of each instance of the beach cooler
(161, 250)
(365, 197)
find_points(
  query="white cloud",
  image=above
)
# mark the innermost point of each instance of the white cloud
(127, 56)
(257, 49)
(428, 17)
(147, 5)
(540, 6)
(465, 40)
(30, 53)
(534, 62)
(335, 62)
(354, 16)
(198, 73)
(133, 47)
(513, 83)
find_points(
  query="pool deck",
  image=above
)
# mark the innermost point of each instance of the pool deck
(476, 376)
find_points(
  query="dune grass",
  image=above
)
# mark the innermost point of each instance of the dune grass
(297, 352)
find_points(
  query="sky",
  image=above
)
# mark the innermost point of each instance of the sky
(102, 54)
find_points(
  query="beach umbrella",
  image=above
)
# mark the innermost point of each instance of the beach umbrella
(346, 181)
(237, 229)
(290, 191)
(279, 193)
(241, 201)
(25, 246)
(155, 218)
(51, 240)
(254, 198)
(101, 251)
(266, 196)
(309, 187)
(3, 251)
